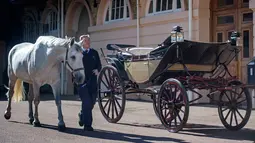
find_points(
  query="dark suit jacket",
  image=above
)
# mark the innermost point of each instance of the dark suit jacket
(91, 61)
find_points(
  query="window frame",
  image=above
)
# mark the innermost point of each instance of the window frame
(127, 8)
(174, 8)
(51, 22)
(250, 48)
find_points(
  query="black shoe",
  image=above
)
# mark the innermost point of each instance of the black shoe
(88, 129)
(80, 120)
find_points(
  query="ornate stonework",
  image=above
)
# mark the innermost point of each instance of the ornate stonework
(94, 9)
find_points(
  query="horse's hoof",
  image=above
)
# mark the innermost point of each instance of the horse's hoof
(37, 124)
(61, 128)
(7, 115)
(31, 121)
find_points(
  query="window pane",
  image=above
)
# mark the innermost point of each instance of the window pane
(246, 43)
(121, 12)
(117, 13)
(113, 14)
(225, 19)
(122, 2)
(222, 3)
(164, 5)
(170, 4)
(158, 6)
(219, 37)
(248, 17)
(179, 4)
(113, 3)
(118, 3)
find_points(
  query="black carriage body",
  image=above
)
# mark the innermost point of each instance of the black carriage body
(176, 59)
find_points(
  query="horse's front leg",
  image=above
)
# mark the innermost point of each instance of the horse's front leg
(56, 92)
(30, 103)
(36, 91)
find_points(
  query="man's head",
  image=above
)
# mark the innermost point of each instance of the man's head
(86, 41)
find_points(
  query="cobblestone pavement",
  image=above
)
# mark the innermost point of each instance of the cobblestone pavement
(138, 124)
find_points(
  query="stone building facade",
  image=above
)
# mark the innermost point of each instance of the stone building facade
(115, 21)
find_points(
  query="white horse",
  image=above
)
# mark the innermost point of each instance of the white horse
(39, 64)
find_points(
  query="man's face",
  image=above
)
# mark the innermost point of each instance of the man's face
(86, 42)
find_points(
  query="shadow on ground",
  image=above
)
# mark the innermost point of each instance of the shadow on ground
(111, 135)
(210, 131)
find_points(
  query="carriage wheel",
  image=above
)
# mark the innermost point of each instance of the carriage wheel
(173, 105)
(111, 95)
(235, 105)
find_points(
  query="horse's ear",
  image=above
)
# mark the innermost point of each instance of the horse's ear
(72, 41)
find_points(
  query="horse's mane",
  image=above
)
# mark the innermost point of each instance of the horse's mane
(52, 42)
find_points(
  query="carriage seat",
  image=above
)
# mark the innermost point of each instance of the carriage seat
(140, 53)
(140, 50)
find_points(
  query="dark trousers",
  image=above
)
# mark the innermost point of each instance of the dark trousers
(88, 94)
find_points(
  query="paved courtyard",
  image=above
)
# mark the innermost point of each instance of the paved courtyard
(139, 124)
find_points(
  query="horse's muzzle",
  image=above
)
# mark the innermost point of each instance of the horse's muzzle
(78, 78)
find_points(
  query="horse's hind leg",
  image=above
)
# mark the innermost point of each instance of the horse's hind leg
(36, 91)
(30, 101)
(10, 93)
(56, 92)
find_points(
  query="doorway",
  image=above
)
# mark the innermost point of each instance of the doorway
(234, 15)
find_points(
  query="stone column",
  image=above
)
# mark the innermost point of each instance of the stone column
(201, 32)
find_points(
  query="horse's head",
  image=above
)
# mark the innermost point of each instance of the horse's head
(74, 61)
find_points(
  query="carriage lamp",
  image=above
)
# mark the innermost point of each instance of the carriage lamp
(177, 35)
(235, 36)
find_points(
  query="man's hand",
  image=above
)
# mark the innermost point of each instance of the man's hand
(95, 71)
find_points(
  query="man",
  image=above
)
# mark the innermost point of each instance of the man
(88, 90)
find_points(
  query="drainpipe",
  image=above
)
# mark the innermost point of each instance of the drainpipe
(191, 94)
(190, 19)
(62, 18)
(138, 23)
(63, 67)
(59, 35)
(137, 31)
(59, 14)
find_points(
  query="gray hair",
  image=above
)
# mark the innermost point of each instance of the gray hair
(84, 36)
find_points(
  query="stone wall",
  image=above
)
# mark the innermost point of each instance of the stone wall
(2, 61)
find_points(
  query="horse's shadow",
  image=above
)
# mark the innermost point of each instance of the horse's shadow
(211, 131)
(110, 135)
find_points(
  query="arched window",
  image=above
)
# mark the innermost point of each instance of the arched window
(29, 29)
(51, 27)
(117, 10)
(160, 6)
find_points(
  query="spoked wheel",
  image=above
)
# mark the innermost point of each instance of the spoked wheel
(235, 106)
(111, 95)
(173, 105)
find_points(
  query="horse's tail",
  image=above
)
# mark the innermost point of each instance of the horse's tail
(18, 91)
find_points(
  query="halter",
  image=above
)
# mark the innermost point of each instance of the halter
(72, 70)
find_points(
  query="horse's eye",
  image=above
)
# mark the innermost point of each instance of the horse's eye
(73, 57)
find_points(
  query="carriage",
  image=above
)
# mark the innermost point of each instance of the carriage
(167, 72)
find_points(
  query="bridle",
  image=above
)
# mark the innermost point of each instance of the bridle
(67, 63)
